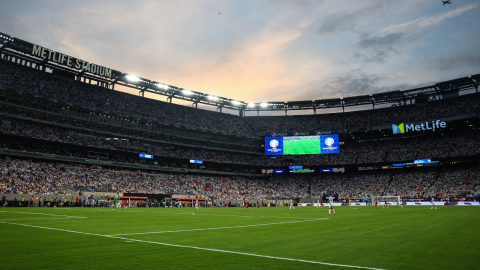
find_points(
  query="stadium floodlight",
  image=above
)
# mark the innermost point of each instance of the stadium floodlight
(263, 104)
(234, 102)
(187, 92)
(132, 78)
(163, 86)
(212, 98)
(251, 105)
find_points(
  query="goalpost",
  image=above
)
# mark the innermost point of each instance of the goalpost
(391, 200)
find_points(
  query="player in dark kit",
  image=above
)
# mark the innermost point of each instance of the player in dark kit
(212, 204)
(245, 204)
(376, 203)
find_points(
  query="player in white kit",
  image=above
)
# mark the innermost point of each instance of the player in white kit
(291, 205)
(433, 204)
(330, 205)
(196, 204)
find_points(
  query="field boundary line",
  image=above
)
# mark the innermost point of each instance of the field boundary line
(198, 248)
(34, 218)
(221, 228)
(44, 214)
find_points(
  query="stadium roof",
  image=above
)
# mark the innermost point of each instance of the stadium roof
(23, 52)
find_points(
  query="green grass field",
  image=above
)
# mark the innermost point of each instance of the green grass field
(414, 237)
(302, 147)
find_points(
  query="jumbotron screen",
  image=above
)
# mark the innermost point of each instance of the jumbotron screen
(302, 145)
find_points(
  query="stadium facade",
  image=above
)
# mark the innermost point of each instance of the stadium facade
(58, 108)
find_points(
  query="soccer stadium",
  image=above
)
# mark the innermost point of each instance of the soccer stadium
(100, 168)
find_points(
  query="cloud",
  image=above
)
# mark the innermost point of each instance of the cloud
(351, 21)
(460, 65)
(352, 84)
(390, 41)
(375, 41)
(427, 21)
(253, 51)
(377, 49)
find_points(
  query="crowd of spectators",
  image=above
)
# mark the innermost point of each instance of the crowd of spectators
(407, 184)
(46, 84)
(454, 144)
(95, 97)
(34, 177)
(74, 124)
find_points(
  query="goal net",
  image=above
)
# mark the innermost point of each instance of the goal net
(391, 200)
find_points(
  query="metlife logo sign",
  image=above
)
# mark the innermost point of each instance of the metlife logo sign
(403, 128)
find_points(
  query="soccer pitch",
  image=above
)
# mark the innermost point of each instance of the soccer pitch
(301, 147)
(414, 237)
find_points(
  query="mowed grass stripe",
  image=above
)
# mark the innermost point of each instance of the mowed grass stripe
(198, 248)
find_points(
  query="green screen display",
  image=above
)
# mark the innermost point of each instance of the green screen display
(306, 145)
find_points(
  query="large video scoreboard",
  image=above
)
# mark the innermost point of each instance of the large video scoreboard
(302, 145)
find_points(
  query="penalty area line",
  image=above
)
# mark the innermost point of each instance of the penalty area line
(42, 214)
(221, 228)
(198, 248)
(199, 214)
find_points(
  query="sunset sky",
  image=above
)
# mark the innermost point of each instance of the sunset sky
(257, 51)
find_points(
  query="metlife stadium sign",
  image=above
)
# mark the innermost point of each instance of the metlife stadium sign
(404, 128)
(70, 62)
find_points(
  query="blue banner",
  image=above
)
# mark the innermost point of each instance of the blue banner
(329, 144)
(273, 145)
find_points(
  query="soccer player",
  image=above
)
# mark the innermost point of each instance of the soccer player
(433, 204)
(330, 205)
(385, 204)
(376, 203)
(115, 200)
(321, 203)
(245, 204)
(291, 205)
(212, 204)
(196, 204)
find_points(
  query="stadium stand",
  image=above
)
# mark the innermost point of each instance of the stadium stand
(53, 129)
(34, 177)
